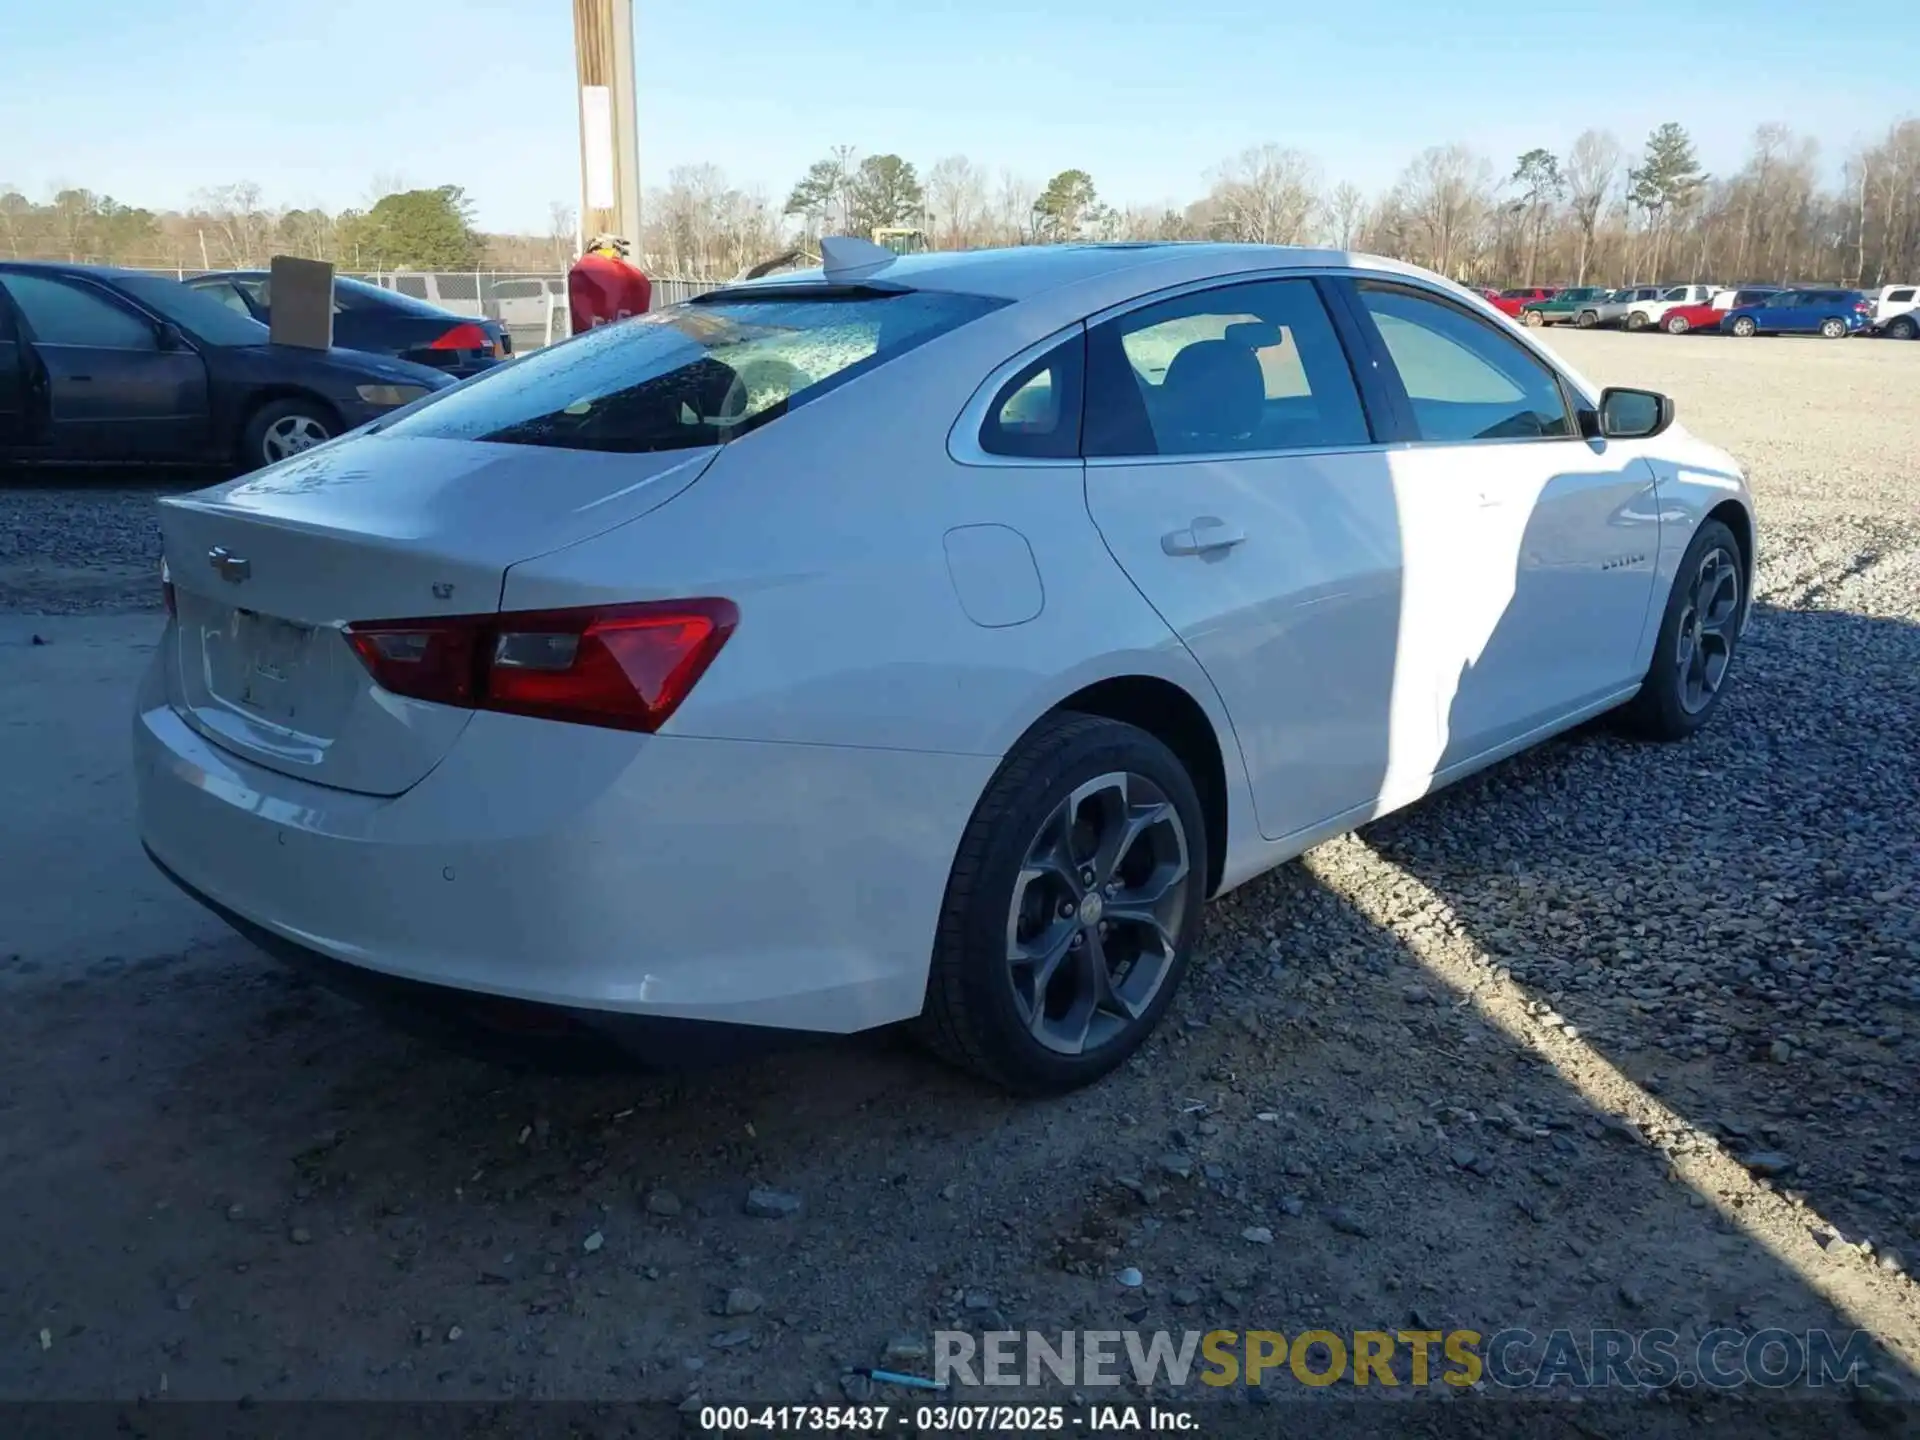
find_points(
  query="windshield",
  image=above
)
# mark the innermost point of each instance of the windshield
(692, 374)
(199, 314)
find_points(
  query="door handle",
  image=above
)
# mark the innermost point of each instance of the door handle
(1208, 533)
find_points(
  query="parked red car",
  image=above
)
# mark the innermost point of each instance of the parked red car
(1482, 291)
(1508, 302)
(1682, 318)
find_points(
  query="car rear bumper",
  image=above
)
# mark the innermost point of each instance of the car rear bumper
(652, 877)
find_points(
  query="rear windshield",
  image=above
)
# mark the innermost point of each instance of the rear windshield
(690, 375)
(352, 294)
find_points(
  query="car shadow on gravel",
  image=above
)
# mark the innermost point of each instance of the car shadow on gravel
(1722, 934)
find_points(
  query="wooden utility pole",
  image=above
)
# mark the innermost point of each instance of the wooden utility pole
(609, 132)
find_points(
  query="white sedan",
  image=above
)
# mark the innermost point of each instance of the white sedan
(923, 638)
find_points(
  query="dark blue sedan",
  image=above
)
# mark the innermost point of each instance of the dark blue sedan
(1832, 313)
(381, 322)
(114, 366)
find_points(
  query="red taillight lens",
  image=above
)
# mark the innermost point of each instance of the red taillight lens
(463, 337)
(166, 588)
(627, 667)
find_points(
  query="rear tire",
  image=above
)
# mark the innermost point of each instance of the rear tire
(1060, 808)
(1834, 329)
(1903, 327)
(1586, 319)
(1699, 633)
(1676, 325)
(1744, 327)
(283, 428)
(1635, 320)
(1533, 318)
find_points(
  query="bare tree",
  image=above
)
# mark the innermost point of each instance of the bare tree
(238, 226)
(956, 202)
(1346, 212)
(563, 233)
(1447, 193)
(1267, 195)
(1592, 170)
(1013, 212)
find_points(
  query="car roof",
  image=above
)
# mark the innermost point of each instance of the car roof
(1018, 272)
(69, 267)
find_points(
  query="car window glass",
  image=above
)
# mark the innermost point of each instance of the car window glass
(228, 295)
(696, 374)
(1246, 367)
(1466, 380)
(60, 313)
(1899, 296)
(1037, 412)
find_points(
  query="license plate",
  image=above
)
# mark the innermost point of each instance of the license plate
(270, 652)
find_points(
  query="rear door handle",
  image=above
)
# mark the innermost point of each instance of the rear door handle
(1207, 534)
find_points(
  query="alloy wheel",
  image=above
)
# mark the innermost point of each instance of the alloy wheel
(291, 434)
(1704, 646)
(1099, 903)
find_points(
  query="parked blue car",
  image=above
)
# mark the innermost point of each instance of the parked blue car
(1833, 313)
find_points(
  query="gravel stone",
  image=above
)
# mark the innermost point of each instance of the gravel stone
(766, 1204)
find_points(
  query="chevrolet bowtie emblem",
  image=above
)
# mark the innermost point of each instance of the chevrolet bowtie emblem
(229, 566)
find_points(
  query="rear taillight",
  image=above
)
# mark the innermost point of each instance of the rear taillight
(463, 337)
(627, 667)
(166, 588)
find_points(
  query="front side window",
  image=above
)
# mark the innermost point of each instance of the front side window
(1465, 380)
(1249, 367)
(1037, 412)
(60, 312)
(691, 375)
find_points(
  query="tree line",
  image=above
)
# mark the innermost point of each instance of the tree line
(1597, 213)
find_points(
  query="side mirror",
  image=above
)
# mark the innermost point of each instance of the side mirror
(1633, 414)
(169, 336)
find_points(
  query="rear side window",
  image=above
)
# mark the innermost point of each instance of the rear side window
(1464, 379)
(1036, 414)
(690, 375)
(1249, 367)
(1897, 297)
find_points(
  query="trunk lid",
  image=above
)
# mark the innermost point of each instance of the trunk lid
(267, 570)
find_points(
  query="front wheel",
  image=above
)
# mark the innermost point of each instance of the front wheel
(1903, 327)
(1586, 319)
(1636, 320)
(1072, 908)
(1694, 652)
(1833, 329)
(1534, 318)
(1744, 326)
(282, 428)
(1676, 325)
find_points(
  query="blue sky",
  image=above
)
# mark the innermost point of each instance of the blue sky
(150, 100)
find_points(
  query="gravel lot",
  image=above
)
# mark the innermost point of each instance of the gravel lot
(1612, 1035)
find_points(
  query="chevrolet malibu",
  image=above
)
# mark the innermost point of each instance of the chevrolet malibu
(914, 639)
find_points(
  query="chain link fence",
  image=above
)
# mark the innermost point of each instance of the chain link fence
(532, 304)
